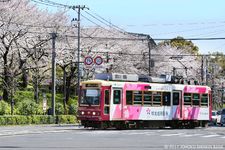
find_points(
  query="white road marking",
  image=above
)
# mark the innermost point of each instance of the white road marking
(190, 135)
(213, 135)
(172, 134)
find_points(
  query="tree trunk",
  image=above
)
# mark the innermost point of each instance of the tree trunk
(68, 81)
(64, 90)
(6, 78)
(36, 89)
(24, 83)
(5, 95)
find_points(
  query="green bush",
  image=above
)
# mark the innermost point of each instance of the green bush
(58, 98)
(37, 119)
(73, 109)
(66, 119)
(28, 108)
(73, 101)
(5, 108)
(59, 109)
(23, 96)
(3, 121)
(72, 105)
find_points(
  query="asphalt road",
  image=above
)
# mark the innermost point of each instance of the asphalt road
(75, 137)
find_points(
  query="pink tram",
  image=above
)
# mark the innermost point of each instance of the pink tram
(122, 101)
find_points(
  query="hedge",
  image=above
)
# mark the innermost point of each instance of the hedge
(37, 119)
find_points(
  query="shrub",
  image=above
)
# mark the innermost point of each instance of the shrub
(59, 109)
(5, 108)
(73, 109)
(37, 119)
(27, 108)
(3, 121)
(66, 119)
(72, 105)
(73, 101)
(23, 96)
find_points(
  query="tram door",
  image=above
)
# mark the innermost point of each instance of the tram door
(116, 109)
(106, 102)
(177, 105)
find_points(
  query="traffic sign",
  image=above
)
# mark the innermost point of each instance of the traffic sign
(44, 102)
(98, 60)
(88, 60)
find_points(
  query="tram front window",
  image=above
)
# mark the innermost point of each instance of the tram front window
(90, 97)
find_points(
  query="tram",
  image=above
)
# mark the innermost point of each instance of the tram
(127, 101)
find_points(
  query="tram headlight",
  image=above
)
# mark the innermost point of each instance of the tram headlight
(82, 113)
(94, 113)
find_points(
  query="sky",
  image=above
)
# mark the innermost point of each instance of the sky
(161, 19)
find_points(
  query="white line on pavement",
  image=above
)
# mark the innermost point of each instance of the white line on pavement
(213, 135)
(172, 134)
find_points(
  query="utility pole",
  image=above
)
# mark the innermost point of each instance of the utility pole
(206, 71)
(53, 72)
(213, 85)
(222, 96)
(107, 61)
(149, 55)
(202, 70)
(174, 71)
(78, 46)
(12, 93)
(36, 77)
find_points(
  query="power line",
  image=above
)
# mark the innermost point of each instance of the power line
(215, 32)
(129, 39)
(107, 23)
(50, 3)
(176, 24)
(46, 4)
(53, 4)
(31, 25)
(192, 39)
(189, 30)
(5, 1)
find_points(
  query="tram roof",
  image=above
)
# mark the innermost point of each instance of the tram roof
(109, 83)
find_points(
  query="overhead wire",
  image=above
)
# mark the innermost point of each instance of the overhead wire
(215, 32)
(31, 25)
(51, 3)
(188, 30)
(104, 21)
(176, 24)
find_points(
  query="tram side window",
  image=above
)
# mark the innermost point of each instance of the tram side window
(107, 97)
(204, 100)
(129, 97)
(187, 98)
(116, 96)
(176, 98)
(156, 98)
(147, 98)
(106, 106)
(166, 98)
(195, 99)
(138, 97)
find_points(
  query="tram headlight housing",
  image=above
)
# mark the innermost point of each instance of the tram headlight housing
(82, 113)
(94, 113)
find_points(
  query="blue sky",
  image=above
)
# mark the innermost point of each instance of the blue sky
(162, 18)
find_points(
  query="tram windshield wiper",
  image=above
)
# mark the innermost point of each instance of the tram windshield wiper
(88, 102)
